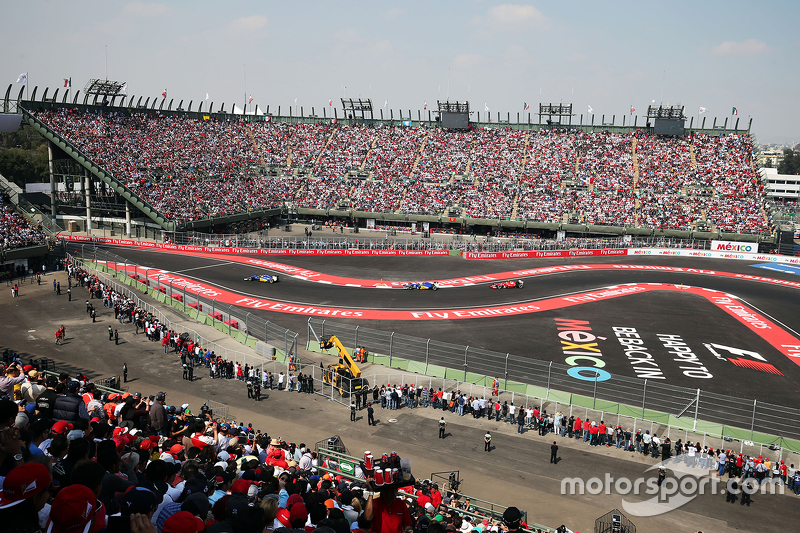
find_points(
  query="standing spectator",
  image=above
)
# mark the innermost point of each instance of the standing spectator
(70, 407)
(387, 513)
(442, 426)
(158, 416)
(554, 453)
(487, 442)
(125, 372)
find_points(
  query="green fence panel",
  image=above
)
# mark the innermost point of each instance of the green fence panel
(380, 359)
(558, 396)
(627, 410)
(454, 374)
(760, 437)
(582, 401)
(656, 416)
(475, 379)
(513, 386)
(683, 423)
(607, 407)
(791, 445)
(535, 391)
(416, 367)
(436, 371)
(715, 430)
(400, 364)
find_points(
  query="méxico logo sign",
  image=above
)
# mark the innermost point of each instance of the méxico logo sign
(735, 247)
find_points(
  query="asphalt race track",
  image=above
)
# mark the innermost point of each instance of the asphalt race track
(663, 319)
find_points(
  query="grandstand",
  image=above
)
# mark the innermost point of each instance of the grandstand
(189, 170)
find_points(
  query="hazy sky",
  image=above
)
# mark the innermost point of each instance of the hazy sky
(609, 55)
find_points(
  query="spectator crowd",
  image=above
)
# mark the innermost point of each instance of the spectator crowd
(15, 230)
(191, 169)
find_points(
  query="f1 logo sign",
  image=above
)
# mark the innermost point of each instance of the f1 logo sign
(733, 351)
(741, 358)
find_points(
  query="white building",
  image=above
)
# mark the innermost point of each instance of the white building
(781, 186)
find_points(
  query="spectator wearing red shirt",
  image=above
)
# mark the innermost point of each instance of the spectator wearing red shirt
(387, 513)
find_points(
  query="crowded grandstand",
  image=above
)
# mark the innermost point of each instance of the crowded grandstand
(193, 168)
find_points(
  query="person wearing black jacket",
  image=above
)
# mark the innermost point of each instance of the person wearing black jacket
(70, 407)
(46, 401)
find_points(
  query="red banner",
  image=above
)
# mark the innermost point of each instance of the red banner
(254, 251)
(535, 254)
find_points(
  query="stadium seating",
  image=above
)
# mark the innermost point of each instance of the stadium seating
(191, 169)
(16, 231)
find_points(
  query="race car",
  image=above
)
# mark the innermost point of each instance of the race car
(422, 285)
(266, 278)
(510, 284)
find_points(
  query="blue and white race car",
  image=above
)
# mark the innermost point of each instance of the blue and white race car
(266, 278)
(422, 285)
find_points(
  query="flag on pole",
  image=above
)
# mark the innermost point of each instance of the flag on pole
(425, 106)
(525, 106)
(632, 109)
(164, 94)
(67, 82)
(295, 101)
(590, 110)
(734, 111)
(206, 96)
(330, 101)
(22, 78)
(386, 104)
(250, 100)
(703, 110)
(485, 107)
(124, 89)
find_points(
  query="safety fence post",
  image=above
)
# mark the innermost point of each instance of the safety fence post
(427, 354)
(322, 329)
(213, 310)
(247, 331)
(696, 408)
(391, 344)
(506, 378)
(753, 420)
(355, 344)
(549, 374)
(644, 396)
(466, 350)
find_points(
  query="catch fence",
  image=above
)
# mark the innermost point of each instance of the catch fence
(547, 382)
(435, 241)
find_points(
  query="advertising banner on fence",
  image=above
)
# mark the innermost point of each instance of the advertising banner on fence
(253, 251)
(534, 254)
(731, 246)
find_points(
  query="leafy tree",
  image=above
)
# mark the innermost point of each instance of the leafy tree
(23, 156)
(790, 163)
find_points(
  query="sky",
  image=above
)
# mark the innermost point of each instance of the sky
(608, 55)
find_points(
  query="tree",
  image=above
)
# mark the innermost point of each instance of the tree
(790, 163)
(23, 156)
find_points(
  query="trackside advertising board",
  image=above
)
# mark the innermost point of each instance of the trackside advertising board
(730, 246)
